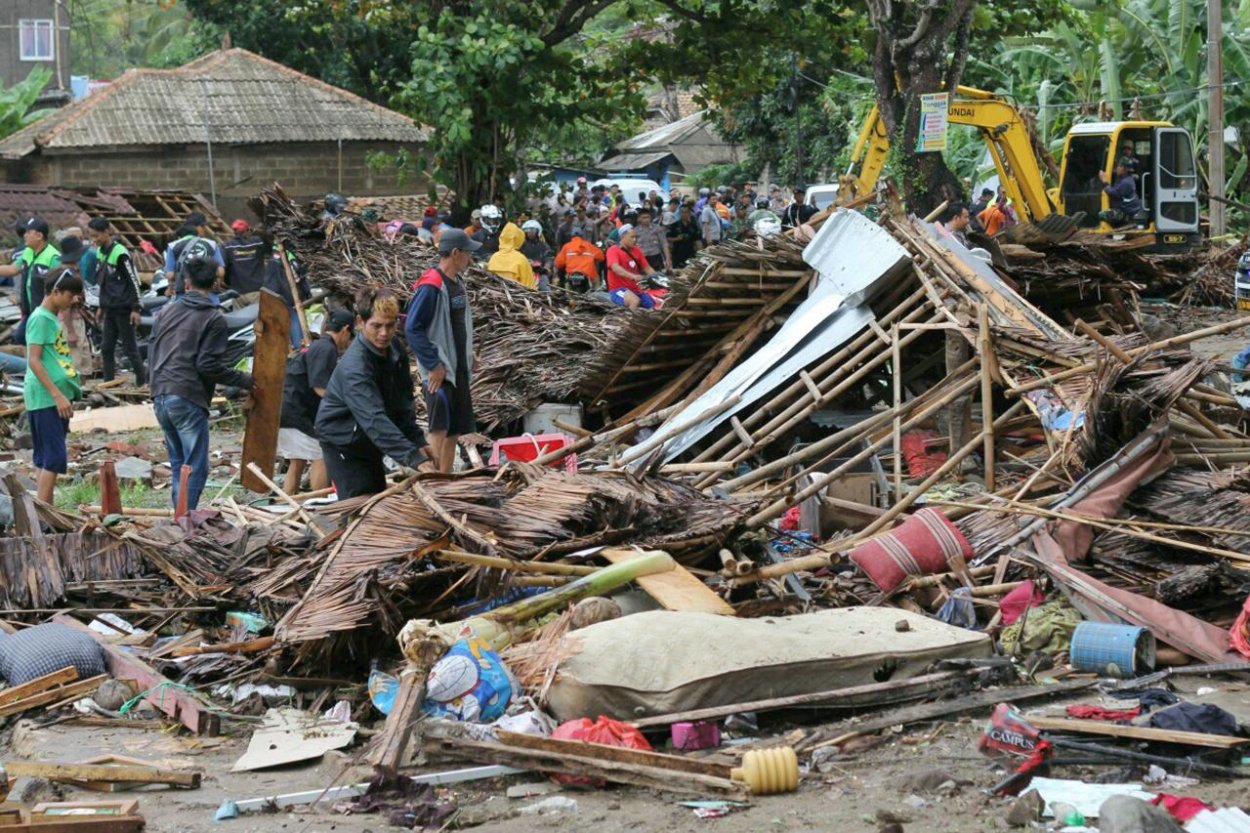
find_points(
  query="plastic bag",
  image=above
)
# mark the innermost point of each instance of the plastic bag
(470, 683)
(1240, 632)
(606, 731)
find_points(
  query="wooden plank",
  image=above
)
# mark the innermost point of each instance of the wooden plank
(104, 772)
(181, 705)
(66, 675)
(121, 807)
(621, 772)
(73, 690)
(388, 754)
(116, 418)
(872, 694)
(659, 760)
(273, 343)
(1115, 730)
(80, 824)
(676, 589)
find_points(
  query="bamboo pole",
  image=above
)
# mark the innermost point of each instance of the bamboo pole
(497, 563)
(290, 501)
(987, 393)
(897, 439)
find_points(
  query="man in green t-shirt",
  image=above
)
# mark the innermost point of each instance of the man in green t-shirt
(51, 380)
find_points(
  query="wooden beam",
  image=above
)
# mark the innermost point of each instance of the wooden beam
(1115, 730)
(388, 753)
(11, 695)
(676, 589)
(74, 690)
(273, 343)
(106, 773)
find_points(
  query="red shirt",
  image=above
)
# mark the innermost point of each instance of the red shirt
(633, 260)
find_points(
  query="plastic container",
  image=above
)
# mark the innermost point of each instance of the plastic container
(1112, 649)
(529, 447)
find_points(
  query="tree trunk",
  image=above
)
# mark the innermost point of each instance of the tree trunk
(920, 49)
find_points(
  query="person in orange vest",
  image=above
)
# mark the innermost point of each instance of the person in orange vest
(577, 264)
(994, 219)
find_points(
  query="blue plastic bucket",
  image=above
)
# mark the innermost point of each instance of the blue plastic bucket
(1112, 650)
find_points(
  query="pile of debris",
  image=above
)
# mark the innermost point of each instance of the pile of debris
(869, 471)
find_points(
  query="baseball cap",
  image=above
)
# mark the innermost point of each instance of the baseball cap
(71, 250)
(240, 225)
(477, 214)
(197, 218)
(454, 238)
(339, 319)
(38, 224)
(568, 212)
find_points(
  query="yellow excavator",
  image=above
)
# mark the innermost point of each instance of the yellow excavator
(1167, 180)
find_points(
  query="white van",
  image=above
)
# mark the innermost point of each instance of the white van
(822, 196)
(631, 186)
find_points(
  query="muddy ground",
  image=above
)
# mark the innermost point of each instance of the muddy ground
(851, 796)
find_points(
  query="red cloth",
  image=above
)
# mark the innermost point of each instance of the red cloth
(1014, 604)
(1240, 632)
(920, 463)
(922, 545)
(1099, 713)
(632, 260)
(1182, 807)
(791, 521)
(604, 731)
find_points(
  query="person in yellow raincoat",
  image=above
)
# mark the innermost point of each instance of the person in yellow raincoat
(508, 262)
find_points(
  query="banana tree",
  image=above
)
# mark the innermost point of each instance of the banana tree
(17, 102)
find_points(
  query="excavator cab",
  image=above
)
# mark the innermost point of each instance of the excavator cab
(1166, 179)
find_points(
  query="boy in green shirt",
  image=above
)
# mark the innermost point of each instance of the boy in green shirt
(51, 380)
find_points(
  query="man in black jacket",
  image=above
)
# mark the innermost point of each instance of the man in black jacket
(369, 409)
(246, 256)
(118, 283)
(188, 351)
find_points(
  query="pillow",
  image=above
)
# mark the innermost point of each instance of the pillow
(40, 650)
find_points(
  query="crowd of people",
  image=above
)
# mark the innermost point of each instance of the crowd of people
(349, 401)
(597, 238)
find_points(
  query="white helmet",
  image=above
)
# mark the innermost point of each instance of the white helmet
(767, 227)
(532, 225)
(492, 218)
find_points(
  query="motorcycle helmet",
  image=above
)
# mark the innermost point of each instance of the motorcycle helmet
(703, 192)
(335, 204)
(767, 227)
(532, 225)
(492, 218)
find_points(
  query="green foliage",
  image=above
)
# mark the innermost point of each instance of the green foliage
(107, 37)
(17, 101)
(730, 172)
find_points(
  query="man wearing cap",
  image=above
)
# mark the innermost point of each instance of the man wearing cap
(193, 239)
(118, 281)
(564, 230)
(1126, 205)
(709, 220)
(440, 332)
(245, 256)
(798, 212)
(475, 222)
(32, 267)
(307, 375)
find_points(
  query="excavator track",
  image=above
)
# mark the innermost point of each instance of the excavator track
(1053, 228)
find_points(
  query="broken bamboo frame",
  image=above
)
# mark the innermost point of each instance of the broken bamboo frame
(987, 392)
(1088, 367)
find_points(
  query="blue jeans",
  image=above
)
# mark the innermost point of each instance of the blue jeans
(186, 437)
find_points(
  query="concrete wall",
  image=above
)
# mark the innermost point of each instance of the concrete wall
(305, 170)
(12, 67)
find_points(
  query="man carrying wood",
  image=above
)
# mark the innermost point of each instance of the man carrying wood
(188, 353)
(369, 411)
(440, 332)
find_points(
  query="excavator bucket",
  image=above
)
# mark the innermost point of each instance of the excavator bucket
(1053, 228)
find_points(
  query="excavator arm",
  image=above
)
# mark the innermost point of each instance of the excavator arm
(1006, 137)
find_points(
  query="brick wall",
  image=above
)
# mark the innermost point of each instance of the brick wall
(304, 170)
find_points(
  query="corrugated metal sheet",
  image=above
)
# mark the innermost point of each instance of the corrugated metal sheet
(855, 257)
(663, 136)
(233, 96)
(632, 161)
(1228, 820)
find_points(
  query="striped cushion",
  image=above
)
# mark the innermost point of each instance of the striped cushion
(922, 545)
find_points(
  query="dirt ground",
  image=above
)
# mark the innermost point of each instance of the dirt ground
(851, 796)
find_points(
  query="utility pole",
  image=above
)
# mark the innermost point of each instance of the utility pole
(1215, 83)
(798, 119)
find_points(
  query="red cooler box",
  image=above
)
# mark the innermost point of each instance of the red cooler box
(529, 447)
